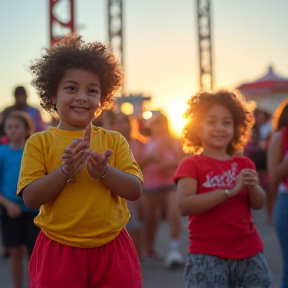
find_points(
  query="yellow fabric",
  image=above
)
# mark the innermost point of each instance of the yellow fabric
(86, 213)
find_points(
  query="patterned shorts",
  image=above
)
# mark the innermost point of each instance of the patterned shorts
(206, 271)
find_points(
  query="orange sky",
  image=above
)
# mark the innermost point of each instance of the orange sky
(160, 44)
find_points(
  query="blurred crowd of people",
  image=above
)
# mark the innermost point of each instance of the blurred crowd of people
(158, 154)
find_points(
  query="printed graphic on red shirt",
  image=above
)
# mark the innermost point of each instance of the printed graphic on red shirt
(226, 179)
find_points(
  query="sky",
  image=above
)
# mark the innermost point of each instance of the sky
(160, 45)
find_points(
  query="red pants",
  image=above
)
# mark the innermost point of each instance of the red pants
(114, 265)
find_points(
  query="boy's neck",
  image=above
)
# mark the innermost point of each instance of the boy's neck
(17, 144)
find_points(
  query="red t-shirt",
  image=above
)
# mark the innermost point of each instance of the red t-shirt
(227, 230)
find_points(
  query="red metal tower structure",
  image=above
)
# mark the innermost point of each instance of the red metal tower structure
(54, 21)
(205, 44)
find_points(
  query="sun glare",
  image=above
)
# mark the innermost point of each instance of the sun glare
(175, 116)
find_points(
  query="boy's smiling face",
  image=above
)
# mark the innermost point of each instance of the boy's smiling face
(78, 98)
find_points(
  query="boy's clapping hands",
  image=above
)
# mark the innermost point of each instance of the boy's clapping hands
(78, 154)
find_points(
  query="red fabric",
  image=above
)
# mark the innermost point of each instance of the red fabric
(115, 264)
(227, 230)
(284, 132)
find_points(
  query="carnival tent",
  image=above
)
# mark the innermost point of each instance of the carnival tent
(270, 83)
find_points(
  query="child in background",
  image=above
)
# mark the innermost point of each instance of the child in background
(127, 126)
(18, 229)
(161, 155)
(80, 175)
(216, 190)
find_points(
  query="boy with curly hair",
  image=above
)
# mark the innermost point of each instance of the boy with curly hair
(80, 175)
(217, 189)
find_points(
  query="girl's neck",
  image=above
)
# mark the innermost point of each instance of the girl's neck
(216, 154)
(17, 144)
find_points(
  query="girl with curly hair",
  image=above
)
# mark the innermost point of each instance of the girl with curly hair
(80, 175)
(216, 189)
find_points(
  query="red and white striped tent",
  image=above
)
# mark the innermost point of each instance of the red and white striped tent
(268, 91)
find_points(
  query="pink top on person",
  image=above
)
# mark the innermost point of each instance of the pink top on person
(155, 173)
(227, 230)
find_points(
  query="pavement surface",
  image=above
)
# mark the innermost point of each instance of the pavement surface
(154, 273)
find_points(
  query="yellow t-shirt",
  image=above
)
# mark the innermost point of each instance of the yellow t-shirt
(86, 213)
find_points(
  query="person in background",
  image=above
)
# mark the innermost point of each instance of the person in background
(256, 148)
(278, 170)
(217, 189)
(161, 155)
(128, 127)
(17, 227)
(105, 120)
(21, 105)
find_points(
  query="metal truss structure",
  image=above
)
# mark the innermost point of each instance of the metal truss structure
(57, 28)
(205, 44)
(115, 27)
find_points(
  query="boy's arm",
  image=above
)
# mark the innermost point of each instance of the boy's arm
(44, 189)
(47, 187)
(123, 184)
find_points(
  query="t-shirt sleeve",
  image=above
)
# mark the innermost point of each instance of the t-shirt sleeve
(188, 168)
(124, 159)
(33, 164)
(250, 164)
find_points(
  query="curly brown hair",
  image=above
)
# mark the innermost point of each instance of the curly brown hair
(199, 104)
(73, 52)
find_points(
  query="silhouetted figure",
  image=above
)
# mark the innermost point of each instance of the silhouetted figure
(21, 105)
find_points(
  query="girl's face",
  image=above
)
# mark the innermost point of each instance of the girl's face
(15, 130)
(217, 128)
(122, 125)
(78, 98)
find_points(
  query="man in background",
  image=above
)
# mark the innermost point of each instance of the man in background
(21, 105)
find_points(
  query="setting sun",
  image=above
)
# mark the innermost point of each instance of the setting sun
(175, 116)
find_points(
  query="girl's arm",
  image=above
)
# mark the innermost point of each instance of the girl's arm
(257, 197)
(256, 194)
(190, 203)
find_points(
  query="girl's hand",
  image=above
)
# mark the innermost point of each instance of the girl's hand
(97, 164)
(250, 178)
(239, 184)
(75, 155)
(13, 210)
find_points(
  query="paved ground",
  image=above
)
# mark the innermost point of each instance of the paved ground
(156, 276)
